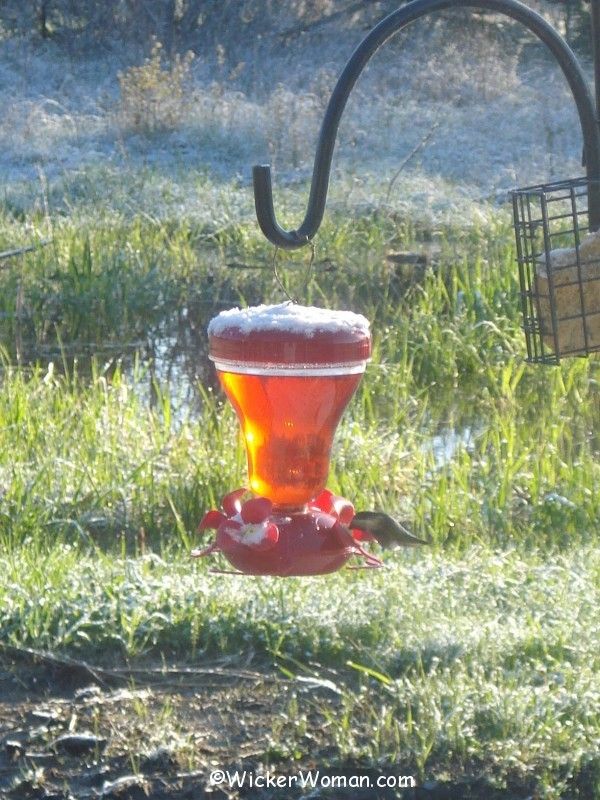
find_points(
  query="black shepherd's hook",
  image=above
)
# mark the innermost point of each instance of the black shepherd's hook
(263, 195)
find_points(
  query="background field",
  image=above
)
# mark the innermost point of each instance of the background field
(472, 664)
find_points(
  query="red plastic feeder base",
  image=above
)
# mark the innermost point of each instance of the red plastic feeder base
(258, 539)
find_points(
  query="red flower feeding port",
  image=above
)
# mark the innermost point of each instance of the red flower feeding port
(289, 372)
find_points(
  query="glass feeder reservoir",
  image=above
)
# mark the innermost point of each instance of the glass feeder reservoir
(289, 371)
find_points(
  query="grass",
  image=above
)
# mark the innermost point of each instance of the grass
(414, 680)
(478, 656)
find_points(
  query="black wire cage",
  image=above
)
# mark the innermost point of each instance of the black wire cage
(559, 269)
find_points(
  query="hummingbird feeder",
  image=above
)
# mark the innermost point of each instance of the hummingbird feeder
(289, 371)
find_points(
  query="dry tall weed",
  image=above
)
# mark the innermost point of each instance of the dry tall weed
(154, 97)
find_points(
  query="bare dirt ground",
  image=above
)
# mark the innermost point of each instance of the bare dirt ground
(158, 734)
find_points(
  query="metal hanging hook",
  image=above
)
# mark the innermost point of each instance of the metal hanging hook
(396, 21)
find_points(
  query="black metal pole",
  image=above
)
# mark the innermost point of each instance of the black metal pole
(263, 195)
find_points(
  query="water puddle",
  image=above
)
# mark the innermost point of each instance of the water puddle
(171, 360)
(444, 446)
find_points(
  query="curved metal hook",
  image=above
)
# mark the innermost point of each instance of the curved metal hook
(263, 194)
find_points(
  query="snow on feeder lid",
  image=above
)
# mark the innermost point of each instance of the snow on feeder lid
(289, 336)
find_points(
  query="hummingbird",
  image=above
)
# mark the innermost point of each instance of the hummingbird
(385, 530)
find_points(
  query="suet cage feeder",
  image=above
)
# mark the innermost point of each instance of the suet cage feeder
(558, 255)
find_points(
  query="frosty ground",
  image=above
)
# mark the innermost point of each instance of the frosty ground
(465, 113)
